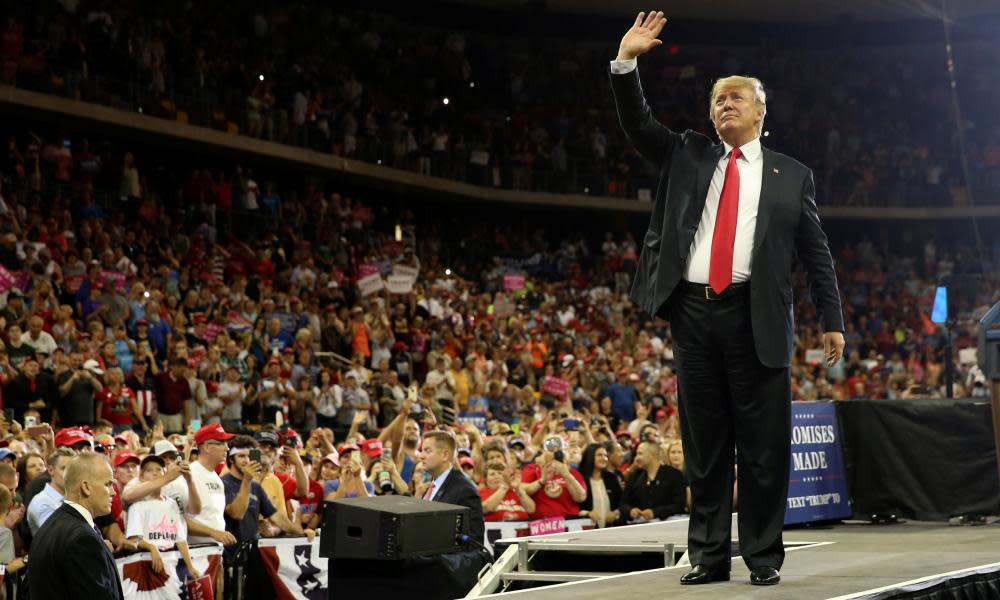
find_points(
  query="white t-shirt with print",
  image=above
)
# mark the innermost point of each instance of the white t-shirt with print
(157, 520)
(213, 501)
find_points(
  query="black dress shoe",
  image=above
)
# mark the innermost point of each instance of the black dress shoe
(704, 574)
(764, 576)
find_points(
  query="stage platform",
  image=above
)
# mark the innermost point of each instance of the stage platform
(839, 562)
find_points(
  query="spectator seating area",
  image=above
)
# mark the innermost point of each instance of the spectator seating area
(474, 106)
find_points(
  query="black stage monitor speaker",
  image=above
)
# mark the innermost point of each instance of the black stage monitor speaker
(390, 528)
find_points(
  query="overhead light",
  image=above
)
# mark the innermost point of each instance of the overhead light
(445, 101)
(261, 77)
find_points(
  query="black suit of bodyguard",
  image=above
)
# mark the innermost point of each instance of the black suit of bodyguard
(69, 560)
(732, 349)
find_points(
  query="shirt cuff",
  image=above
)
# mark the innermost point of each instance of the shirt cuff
(620, 67)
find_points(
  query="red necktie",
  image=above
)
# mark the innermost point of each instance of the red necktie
(720, 270)
(429, 494)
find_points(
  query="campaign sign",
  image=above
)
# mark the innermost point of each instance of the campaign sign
(512, 283)
(476, 419)
(817, 490)
(399, 284)
(815, 356)
(412, 272)
(503, 309)
(367, 269)
(555, 386)
(549, 525)
(371, 284)
(6, 279)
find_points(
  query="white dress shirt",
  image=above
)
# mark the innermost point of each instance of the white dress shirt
(438, 483)
(751, 167)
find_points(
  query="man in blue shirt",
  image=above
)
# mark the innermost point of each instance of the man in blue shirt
(51, 497)
(623, 398)
(246, 500)
(278, 338)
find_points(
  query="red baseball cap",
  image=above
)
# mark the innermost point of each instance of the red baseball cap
(124, 456)
(341, 449)
(466, 461)
(372, 447)
(212, 432)
(71, 436)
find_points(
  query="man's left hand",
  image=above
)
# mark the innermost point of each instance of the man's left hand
(833, 347)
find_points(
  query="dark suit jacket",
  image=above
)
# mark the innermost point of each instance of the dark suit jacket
(69, 560)
(459, 489)
(18, 395)
(666, 495)
(787, 223)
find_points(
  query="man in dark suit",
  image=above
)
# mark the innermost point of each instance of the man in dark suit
(31, 389)
(449, 484)
(716, 262)
(69, 557)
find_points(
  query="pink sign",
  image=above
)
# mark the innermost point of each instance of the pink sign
(555, 386)
(115, 276)
(6, 279)
(549, 525)
(366, 269)
(512, 283)
(212, 331)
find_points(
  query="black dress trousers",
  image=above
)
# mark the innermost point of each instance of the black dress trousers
(732, 409)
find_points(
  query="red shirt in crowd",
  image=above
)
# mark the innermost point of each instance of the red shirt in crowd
(117, 406)
(561, 505)
(171, 393)
(509, 509)
(309, 505)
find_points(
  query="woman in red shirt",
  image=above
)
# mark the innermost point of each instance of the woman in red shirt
(503, 497)
(118, 403)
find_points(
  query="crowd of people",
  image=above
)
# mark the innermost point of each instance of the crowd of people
(236, 381)
(209, 371)
(474, 107)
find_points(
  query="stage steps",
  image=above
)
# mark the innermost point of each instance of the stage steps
(523, 561)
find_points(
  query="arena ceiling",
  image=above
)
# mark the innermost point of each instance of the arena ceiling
(764, 10)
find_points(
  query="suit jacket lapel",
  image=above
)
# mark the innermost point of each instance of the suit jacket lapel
(703, 177)
(768, 199)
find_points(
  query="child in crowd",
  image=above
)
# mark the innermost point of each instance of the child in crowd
(156, 522)
(11, 564)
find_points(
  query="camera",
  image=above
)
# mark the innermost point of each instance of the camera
(255, 455)
(555, 446)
